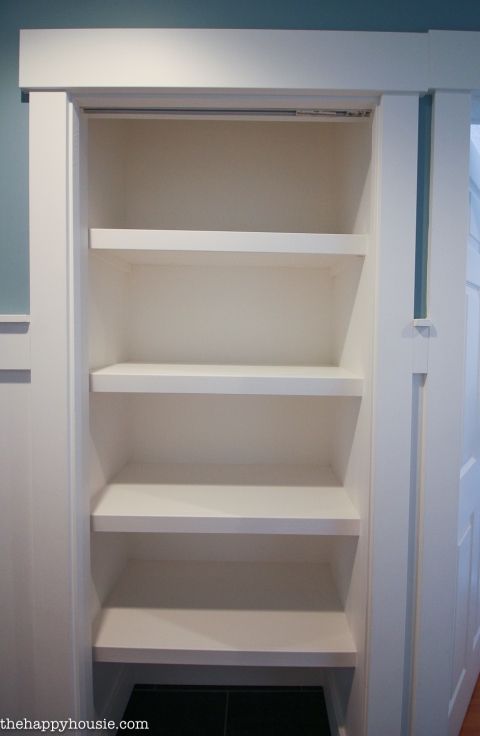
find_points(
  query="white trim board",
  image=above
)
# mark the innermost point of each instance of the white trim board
(60, 513)
(97, 103)
(266, 61)
(226, 59)
(442, 418)
(14, 318)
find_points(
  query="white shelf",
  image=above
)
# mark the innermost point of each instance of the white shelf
(224, 613)
(227, 241)
(226, 379)
(224, 246)
(255, 499)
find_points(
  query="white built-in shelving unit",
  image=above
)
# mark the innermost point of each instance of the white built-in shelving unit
(230, 341)
(222, 246)
(223, 447)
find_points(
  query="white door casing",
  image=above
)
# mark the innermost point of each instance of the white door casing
(61, 651)
(442, 416)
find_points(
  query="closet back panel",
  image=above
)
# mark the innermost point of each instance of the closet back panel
(229, 175)
(221, 314)
(230, 315)
(231, 429)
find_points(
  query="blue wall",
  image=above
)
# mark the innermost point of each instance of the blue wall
(376, 15)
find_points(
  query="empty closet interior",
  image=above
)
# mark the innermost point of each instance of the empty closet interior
(231, 301)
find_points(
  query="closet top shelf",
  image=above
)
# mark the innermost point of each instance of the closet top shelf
(137, 246)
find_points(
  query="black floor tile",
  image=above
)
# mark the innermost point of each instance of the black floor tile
(178, 712)
(277, 712)
(223, 711)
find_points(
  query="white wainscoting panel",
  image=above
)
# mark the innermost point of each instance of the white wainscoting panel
(14, 342)
(16, 637)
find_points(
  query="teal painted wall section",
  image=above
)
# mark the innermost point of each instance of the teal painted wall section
(423, 196)
(375, 15)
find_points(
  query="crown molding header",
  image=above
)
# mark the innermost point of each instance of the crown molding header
(187, 60)
(264, 61)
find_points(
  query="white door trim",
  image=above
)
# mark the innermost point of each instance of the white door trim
(60, 518)
(442, 419)
(397, 130)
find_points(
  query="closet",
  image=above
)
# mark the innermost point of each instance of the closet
(231, 297)
(222, 239)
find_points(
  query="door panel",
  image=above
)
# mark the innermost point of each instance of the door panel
(466, 657)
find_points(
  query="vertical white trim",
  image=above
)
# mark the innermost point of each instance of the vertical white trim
(397, 138)
(79, 401)
(442, 427)
(60, 653)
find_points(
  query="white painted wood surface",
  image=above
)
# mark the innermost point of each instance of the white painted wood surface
(60, 514)
(14, 348)
(14, 342)
(442, 420)
(16, 574)
(15, 318)
(246, 105)
(280, 61)
(369, 57)
(235, 175)
(466, 652)
(255, 499)
(217, 429)
(226, 313)
(225, 613)
(226, 379)
(128, 260)
(127, 241)
(392, 410)
(198, 59)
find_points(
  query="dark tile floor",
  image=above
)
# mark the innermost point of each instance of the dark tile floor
(222, 711)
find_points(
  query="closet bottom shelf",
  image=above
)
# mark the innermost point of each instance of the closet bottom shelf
(225, 613)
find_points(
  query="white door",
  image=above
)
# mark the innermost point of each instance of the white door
(466, 656)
